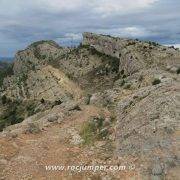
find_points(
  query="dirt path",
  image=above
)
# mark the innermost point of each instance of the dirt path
(26, 156)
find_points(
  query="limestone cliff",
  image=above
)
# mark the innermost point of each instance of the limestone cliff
(133, 55)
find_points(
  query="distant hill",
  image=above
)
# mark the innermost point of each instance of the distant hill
(6, 58)
(4, 64)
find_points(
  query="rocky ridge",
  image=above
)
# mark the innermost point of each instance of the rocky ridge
(125, 93)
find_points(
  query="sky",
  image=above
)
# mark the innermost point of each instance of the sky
(23, 22)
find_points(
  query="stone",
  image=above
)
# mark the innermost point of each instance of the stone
(157, 169)
(3, 162)
(173, 69)
(52, 118)
(33, 128)
(75, 137)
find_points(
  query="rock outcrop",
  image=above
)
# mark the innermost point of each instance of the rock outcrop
(34, 79)
(147, 125)
(36, 55)
(133, 55)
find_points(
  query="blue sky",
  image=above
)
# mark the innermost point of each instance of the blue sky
(23, 22)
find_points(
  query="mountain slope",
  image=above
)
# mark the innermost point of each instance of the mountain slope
(112, 99)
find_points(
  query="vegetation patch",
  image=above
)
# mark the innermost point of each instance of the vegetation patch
(15, 111)
(5, 71)
(178, 70)
(127, 86)
(156, 81)
(13, 114)
(88, 98)
(95, 129)
(112, 61)
(31, 109)
(21, 79)
(50, 42)
(153, 43)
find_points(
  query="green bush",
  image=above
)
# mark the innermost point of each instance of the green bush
(178, 70)
(7, 70)
(88, 98)
(153, 43)
(122, 82)
(122, 72)
(87, 132)
(93, 130)
(11, 116)
(140, 79)
(21, 79)
(3, 99)
(31, 109)
(127, 86)
(42, 101)
(156, 81)
(16, 111)
(70, 76)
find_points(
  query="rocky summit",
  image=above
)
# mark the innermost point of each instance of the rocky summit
(110, 101)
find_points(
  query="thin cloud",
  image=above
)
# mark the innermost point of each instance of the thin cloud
(22, 22)
(114, 7)
(102, 7)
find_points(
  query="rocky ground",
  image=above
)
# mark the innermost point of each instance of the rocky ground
(110, 101)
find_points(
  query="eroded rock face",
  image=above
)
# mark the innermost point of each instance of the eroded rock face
(47, 83)
(36, 55)
(133, 55)
(34, 79)
(148, 125)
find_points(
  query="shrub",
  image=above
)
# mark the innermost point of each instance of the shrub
(156, 81)
(21, 79)
(93, 130)
(16, 111)
(70, 76)
(122, 82)
(122, 72)
(30, 109)
(37, 53)
(58, 102)
(7, 70)
(88, 98)
(153, 43)
(11, 116)
(83, 46)
(124, 76)
(80, 45)
(42, 101)
(87, 132)
(140, 79)
(4, 99)
(178, 70)
(43, 56)
(127, 86)
(112, 61)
